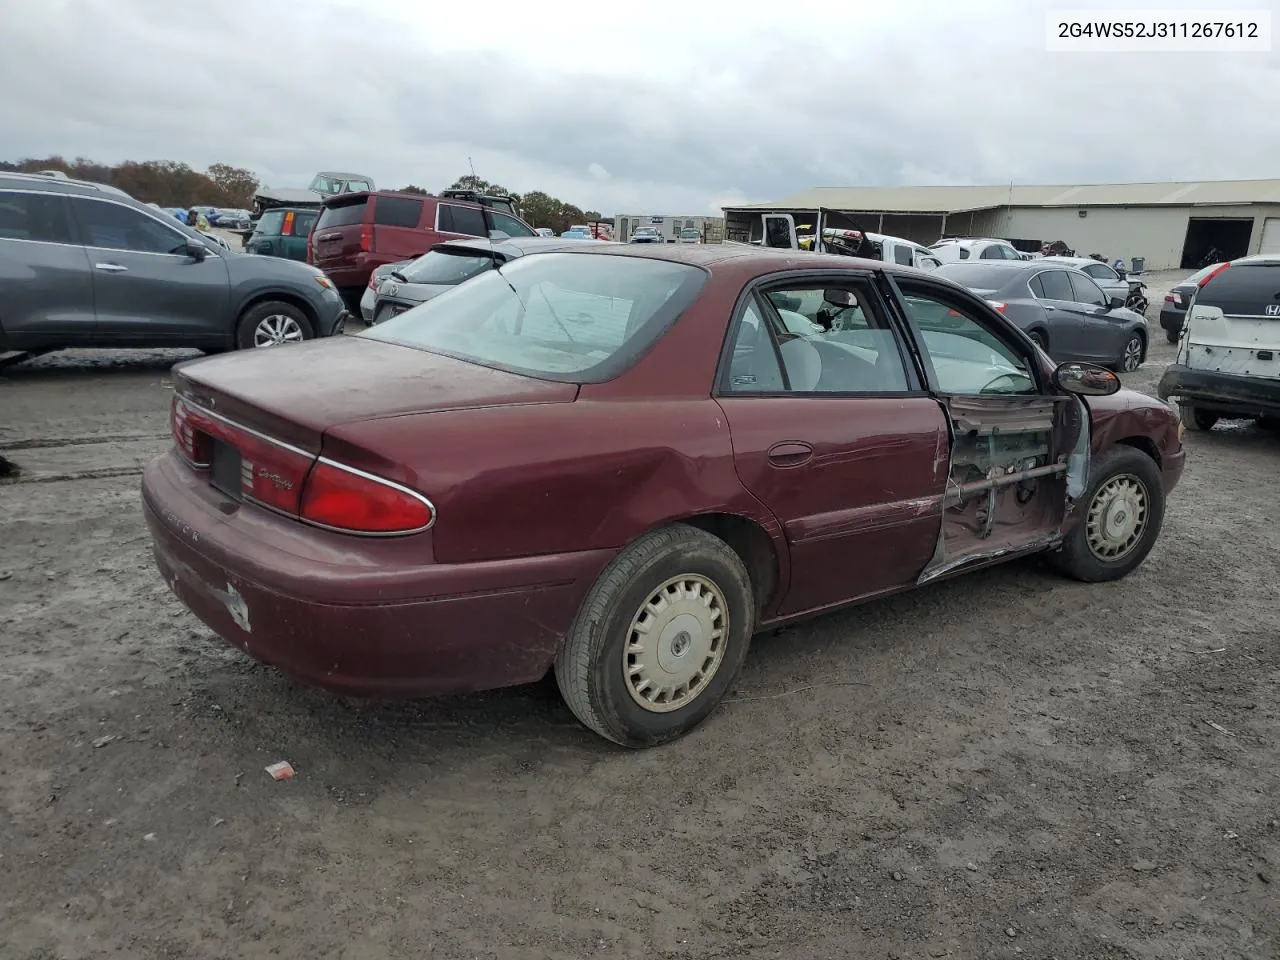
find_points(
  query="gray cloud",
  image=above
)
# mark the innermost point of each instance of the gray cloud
(922, 93)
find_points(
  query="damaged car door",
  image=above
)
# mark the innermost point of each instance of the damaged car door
(1018, 446)
(833, 431)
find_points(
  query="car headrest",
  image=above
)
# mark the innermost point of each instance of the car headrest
(803, 363)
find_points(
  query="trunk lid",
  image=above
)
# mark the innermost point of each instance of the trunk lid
(297, 392)
(338, 234)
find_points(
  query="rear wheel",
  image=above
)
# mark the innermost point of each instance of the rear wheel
(272, 323)
(1121, 515)
(1197, 418)
(659, 638)
(1171, 336)
(1269, 423)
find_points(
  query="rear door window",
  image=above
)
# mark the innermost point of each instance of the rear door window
(1244, 290)
(343, 215)
(306, 219)
(397, 211)
(1053, 285)
(454, 218)
(39, 217)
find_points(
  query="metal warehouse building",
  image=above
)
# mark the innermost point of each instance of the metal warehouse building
(1171, 225)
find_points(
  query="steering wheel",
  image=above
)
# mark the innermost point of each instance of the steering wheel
(1016, 378)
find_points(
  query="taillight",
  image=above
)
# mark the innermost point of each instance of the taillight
(373, 280)
(193, 444)
(271, 472)
(1213, 273)
(366, 237)
(353, 501)
(997, 305)
(286, 230)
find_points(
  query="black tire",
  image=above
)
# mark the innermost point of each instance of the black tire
(250, 321)
(1269, 423)
(1171, 336)
(1135, 347)
(1039, 339)
(1197, 418)
(1079, 560)
(590, 666)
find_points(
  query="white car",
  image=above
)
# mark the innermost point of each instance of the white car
(1228, 360)
(968, 248)
(1112, 284)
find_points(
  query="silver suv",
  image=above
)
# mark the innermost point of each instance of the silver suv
(85, 265)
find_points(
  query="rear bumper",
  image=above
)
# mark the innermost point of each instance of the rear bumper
(357, 616)
(1225, 393)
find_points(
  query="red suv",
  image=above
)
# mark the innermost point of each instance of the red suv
(357, 232)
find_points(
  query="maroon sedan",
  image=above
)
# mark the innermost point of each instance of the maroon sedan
(622, 463)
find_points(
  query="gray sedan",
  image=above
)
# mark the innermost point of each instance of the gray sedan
(448, 264)
(1061, 308)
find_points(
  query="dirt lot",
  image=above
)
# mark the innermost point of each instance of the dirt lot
(1005, 765)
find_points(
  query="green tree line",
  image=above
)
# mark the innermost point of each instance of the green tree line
(173, 184)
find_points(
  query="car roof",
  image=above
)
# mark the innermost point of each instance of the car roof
(27, 181)
(343, 176)
(1074, 261)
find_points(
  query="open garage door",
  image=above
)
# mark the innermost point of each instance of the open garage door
(1270, 236)
(1213, 239)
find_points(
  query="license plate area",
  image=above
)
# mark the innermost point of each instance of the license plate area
(225, 470)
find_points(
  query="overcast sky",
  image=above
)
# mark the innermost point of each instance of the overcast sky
(634, 107)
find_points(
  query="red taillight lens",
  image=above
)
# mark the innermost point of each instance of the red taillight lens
(271, 472)
(357, 502)
(997, 305)
(287, 229)
(1213, 273)
(193, 444)
(366, 238)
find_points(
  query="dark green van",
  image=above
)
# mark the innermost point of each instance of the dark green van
(282, 232)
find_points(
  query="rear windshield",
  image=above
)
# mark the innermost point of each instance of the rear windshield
(556, 316)
(271, 222)
(441, 267)
(1201, 274)
(342, 216)
(976, 276)
(1244, 290)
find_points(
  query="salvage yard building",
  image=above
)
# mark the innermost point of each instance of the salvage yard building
(1169, 225)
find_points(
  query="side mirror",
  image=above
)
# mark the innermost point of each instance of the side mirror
(196, 250)
(1086, 379)
(1116, 303)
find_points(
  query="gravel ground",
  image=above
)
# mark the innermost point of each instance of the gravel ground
(1004, 765)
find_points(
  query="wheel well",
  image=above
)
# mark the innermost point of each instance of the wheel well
(289, 298)
(1142, 335)
(1145, 445)
(1039, 331)
(752, 545)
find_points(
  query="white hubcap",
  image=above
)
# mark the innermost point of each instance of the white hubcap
(675, 644)
(276, 329)
(1117, 517)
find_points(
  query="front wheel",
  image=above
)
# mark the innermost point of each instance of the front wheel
(1120, 518)
(1039, 339)
(1131, 357)
(272, 323)
(659, 638)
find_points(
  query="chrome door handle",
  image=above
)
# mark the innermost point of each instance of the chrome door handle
(111, 267)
